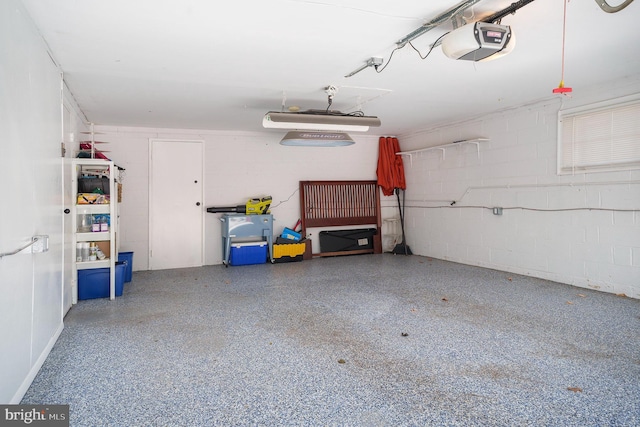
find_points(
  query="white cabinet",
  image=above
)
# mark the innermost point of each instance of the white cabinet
(94, 210)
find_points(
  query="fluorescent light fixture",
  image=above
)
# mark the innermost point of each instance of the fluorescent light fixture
(319, 120)
(316, 139)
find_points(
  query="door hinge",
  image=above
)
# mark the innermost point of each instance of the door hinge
(63, 150)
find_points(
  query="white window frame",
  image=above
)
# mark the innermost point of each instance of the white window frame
(619, 142)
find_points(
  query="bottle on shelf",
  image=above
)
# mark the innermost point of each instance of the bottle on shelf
(100, 254)
(104, 225)
(95, 223)
(92, 252)
(85, 251)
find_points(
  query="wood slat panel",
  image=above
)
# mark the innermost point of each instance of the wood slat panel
(338, 203)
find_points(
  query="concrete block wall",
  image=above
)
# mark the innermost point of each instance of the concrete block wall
(581, 229)
(238, 166)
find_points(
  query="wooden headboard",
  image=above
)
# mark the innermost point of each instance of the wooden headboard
(337, 203)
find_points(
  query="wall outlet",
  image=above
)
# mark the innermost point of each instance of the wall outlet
(497, 211)
(40, 244)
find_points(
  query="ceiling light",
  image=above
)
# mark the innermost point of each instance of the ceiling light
(316, 139)
(319, 120)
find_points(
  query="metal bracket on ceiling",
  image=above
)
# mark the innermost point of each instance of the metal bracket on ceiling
(372, 62)
(331, 91)
(458, 20)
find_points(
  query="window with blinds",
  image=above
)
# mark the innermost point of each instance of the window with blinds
(598, 139)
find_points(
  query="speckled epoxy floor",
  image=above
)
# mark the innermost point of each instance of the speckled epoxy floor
(370, 340)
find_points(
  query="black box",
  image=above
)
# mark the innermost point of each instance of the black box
(283, 241)
(89, 185)
(346, 240)
(286, 258)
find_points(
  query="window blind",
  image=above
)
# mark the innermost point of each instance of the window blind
(600, 139)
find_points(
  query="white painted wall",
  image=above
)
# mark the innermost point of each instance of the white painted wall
(238, 166)
(31, 194)
(517, 168)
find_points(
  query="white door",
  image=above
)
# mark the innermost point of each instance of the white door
(68, 252)
(176, 211)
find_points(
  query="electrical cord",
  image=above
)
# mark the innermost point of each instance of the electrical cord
(524, 208)
(286, 200)
(377, 67)
(430, 49)
(379, 70)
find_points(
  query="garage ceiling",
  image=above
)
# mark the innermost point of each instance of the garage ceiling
(201, 64)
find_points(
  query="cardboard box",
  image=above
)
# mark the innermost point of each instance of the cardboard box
(105, 247)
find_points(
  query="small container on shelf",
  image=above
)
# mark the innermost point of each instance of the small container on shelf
(92, 251)
(95, 224)
(104, 224)
(84, 223)
(99, 254)
(85, 251)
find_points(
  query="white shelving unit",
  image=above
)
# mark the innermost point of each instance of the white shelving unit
(89, 167)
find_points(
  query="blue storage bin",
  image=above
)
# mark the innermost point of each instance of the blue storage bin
(248, 253)
(127, 259)
(94, 282)
(289, 234)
